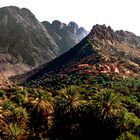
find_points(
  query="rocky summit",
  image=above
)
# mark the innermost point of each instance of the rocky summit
(117, 46)
(65, 36)
(24, 43)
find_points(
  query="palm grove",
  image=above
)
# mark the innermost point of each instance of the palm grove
(100, 109)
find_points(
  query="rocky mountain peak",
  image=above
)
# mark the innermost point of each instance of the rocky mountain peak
(66, 35)
(10, 8)
(81, 29)
(27, 13)
(73, 27)
(24, 43)
(102, 32)
(56, 24)
(11, 14)
(124, 33)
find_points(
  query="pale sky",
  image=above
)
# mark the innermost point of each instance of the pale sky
(119, 14)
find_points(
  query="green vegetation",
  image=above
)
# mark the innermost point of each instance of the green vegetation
(71, 108)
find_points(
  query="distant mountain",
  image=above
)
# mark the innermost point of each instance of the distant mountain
(25, 43)
(103, 51)
(65, 36)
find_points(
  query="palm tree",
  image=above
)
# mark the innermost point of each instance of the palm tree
(41, 110)
(106, 107)
(127, 122)
(14, 123)
(5, 111)
(20, 116)
(107, 104)
(70, 99)
(12, 131)
(68, 102)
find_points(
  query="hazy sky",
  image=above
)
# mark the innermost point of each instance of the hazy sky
(119, 14)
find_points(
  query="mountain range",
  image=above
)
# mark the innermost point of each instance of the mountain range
(66, 36)
(26, 43)
(103, 51)
(35, 50)
(61, 82)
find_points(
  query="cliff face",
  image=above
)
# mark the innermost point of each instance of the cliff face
(24, 42)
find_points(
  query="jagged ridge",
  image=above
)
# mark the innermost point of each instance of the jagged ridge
(66, 36)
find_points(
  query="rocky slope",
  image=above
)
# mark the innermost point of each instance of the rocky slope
(103, 51)
(25, 43)
(65, 36)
